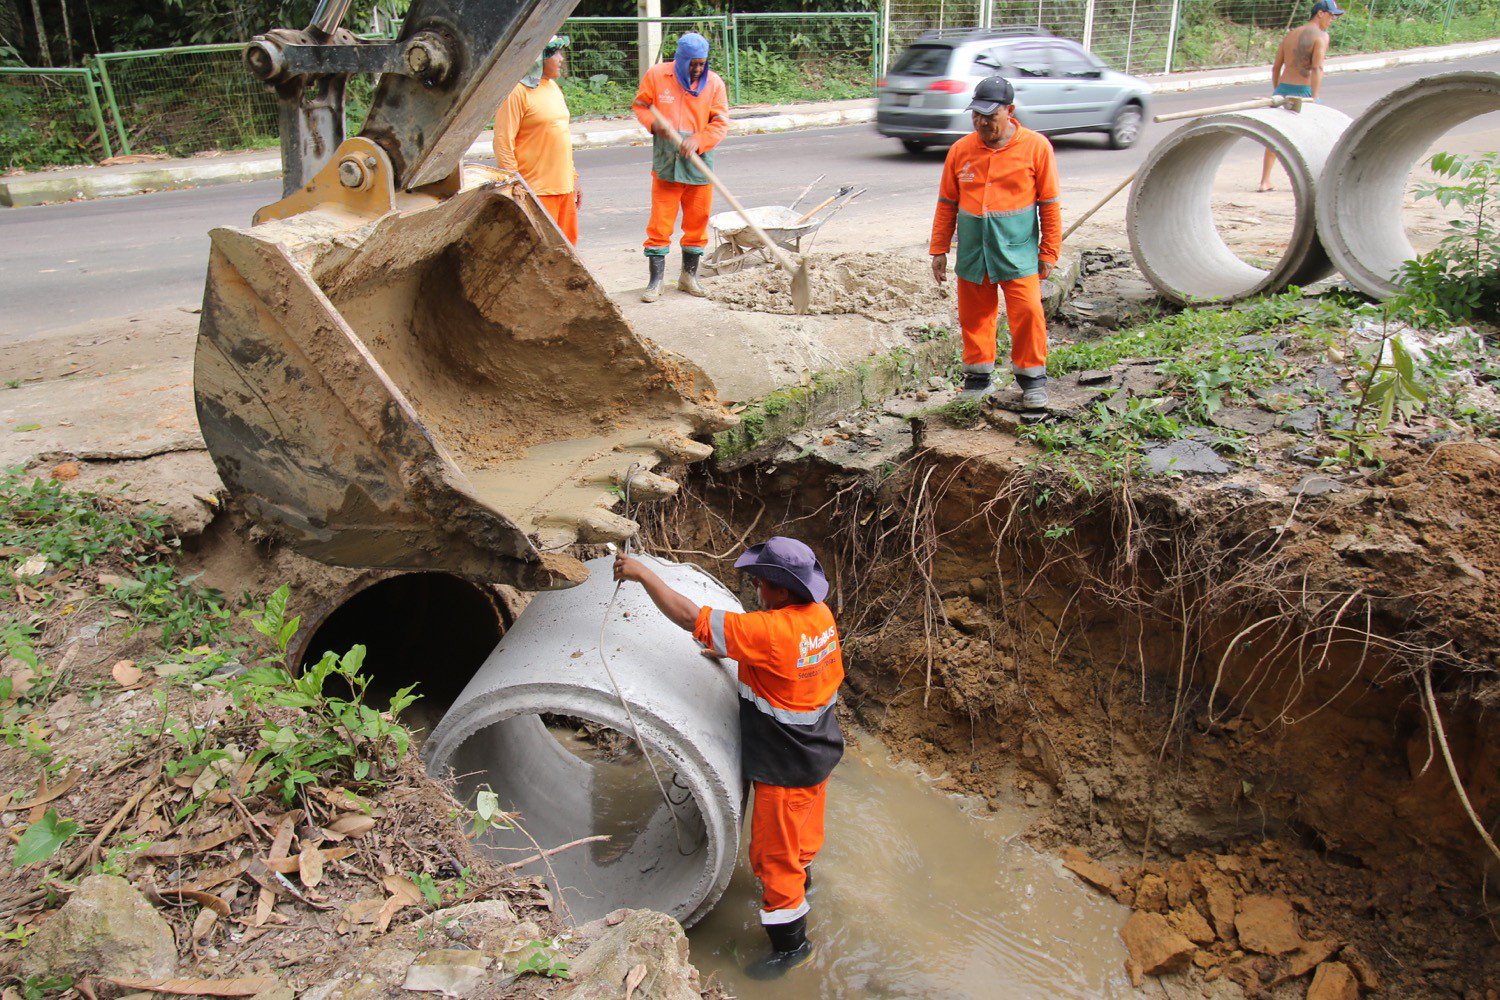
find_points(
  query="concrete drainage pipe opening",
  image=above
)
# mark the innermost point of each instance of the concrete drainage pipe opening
(565, 786)
(434, 629)
(1173, 236)
(1364, 182)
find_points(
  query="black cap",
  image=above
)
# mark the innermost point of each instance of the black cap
(992, 93)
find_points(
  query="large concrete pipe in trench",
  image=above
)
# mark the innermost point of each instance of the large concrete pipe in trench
(1171, 223)
(687, 709)
(1363, 186)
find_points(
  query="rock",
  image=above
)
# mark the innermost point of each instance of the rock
(1191, 924)
(1059, 285)
(1181, 881)
(478, 925)
(654, 940)
(448, 971)
(1151, 894)
(1303, 421)
(1244, 418)
(1333, 981)
(277, 992)
(1305, 959)
(1267, 924)
(1221, 906)
(1368, 978)
(1095, 874)
(967, 616)
(65, 471)
(1316, 486)
(1184, 456)
(1154, 946)
(106, 928)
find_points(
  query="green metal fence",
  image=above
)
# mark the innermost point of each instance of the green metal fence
(604, 58)
(786, 58)
(186, 100)
(50, 117)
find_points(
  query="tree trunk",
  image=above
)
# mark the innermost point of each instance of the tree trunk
(67, 31)
(42, 51)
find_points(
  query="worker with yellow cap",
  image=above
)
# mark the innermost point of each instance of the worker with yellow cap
(532, 138)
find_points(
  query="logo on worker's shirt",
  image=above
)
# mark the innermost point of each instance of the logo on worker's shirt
(966, 173)
(666, 97)
(813, 649)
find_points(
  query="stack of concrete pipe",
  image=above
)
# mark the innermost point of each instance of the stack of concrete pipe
(1348, 178)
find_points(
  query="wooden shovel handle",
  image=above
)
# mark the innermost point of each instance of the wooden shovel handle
(782, 259)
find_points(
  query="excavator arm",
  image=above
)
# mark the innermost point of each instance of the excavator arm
(403, 364)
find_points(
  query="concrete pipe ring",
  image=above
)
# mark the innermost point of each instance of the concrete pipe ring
(676, 858)
(1170, 219)
(1364, 182)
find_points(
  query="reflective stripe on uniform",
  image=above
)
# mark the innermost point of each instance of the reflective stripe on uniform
(716, 630)
(774, 917)
(782, 715)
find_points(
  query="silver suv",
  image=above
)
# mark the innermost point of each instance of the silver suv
(1060, 87)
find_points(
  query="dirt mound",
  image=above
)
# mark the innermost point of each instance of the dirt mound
(887, 287)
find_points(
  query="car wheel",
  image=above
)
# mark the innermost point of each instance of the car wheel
(914, 145)
(1126, 128)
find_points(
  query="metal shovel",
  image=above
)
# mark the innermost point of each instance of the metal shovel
(801, 280)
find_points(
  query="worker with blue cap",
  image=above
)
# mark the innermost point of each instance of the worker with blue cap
(788, 666)
(693, 100)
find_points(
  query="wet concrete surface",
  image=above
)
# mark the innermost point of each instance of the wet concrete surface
(915, 896)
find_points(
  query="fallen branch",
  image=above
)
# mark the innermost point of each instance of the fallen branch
(541, 855)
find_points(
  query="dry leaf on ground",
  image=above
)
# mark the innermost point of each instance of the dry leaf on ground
(352, 825)
(310, 865)
(126, 673)
(46, 793)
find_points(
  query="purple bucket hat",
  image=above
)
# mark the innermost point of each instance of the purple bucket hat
(787, 563)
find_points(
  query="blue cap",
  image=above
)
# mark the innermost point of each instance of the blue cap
(1328, 6)
(787, 563)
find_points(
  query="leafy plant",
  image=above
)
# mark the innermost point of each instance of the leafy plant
(43, 839)
(487, 814)
(1459, 279)
(543, 959)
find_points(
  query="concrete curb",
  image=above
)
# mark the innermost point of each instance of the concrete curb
(42, 189)
(1340, 64)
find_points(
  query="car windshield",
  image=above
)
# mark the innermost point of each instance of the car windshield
(923, 60)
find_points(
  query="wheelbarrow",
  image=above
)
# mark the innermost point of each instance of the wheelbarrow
(735, 246)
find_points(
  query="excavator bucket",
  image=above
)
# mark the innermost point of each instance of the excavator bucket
(433, 381)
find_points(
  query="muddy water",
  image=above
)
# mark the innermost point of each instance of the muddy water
(915, 897)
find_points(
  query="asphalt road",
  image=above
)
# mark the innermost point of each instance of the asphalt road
(62, 265)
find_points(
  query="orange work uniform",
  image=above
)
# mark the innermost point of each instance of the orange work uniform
(1003, 204)
(676, 185)
(790, 666)
(532, 138)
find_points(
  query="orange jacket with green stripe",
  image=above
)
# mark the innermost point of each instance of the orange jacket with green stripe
(790, 666)
(1003, 202)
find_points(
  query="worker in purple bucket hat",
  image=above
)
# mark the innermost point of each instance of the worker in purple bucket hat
(790, 666)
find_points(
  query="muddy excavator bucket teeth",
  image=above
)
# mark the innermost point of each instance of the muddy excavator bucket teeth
(440, 388)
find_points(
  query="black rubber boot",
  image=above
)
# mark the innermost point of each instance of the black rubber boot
(789, 949)
(687, 281)
(658, 265)
(1033, 391)
(977, 385)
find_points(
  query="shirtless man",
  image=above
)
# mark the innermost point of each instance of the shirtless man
(1298, 70)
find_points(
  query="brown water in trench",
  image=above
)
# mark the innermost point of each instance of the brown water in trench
(915, 896)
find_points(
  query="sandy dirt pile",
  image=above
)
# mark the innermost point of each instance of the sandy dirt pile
(886, 287)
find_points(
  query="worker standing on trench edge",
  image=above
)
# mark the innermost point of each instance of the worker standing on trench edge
(999, 191)
(790, 666)
(1298, 68)
(533, 140)
(693, 100)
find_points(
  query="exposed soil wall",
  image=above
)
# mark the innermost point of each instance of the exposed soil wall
(1164, 670)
